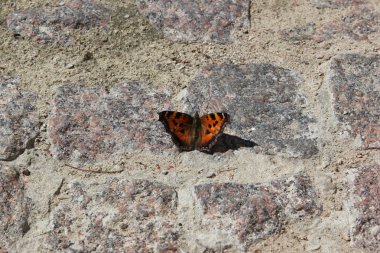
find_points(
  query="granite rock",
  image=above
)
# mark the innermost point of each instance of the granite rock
(90, 125)
(355, 85)
(364, 207)
(250, 212)
(53, 24)
(203, 21)
(115, 215)
(360, 24)
(19, 123)
(14, 208)
(264, 103)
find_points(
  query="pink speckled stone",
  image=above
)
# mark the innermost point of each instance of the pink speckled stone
(256, 211)
(189, 21)
(19, 123)
(115, 215)
(52, 25)
(364, 208)
(355, 84)
(264, 103)
(90, 125)
(14, 208)
(362, 23)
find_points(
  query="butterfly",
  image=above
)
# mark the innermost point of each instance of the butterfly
(189, 133)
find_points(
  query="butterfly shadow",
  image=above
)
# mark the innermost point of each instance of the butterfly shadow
(230, 142)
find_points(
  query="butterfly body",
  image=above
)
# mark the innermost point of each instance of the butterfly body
(190, 133)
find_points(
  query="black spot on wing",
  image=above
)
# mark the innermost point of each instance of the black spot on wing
(209, 125)
(178, 115)
(208, 132)
(215, 123)
(221, 115)
(212, 116)
(169, 113)
(182, 131)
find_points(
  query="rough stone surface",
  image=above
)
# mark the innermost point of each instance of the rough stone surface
(92, 124)
(263, 101)
(188, 20)
(254, 211)
(19, 123)
(364, 208)
(355, 85)
(115, 216)
(300, 33)
(52, 25)
(14, 208)
(334, 4)
(360, 24)
(99, 138)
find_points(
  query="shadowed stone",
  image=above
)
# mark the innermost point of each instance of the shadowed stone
(14, 208)
(19, 124)
(355, 86)
(250, 212)
(90, 125)
(115, 215)
(53, 24)
(360, 24)
(364, 207)
(187, 20)
(263, 101)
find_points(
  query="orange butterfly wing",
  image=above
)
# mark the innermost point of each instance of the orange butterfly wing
(211, 128)
(180, 126)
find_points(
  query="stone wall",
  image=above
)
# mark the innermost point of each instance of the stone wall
(85, 165)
